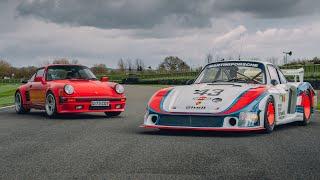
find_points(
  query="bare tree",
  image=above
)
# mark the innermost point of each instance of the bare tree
(121, 65)
(129, 65)
(209, 58)
(139, 65)
(273, 60)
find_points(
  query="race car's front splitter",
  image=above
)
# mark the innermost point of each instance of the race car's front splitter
(242, 129)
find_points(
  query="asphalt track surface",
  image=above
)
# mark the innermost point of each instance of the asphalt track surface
(91, 146)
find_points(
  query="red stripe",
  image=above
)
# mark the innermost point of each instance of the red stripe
(246, 99)
(155, 101)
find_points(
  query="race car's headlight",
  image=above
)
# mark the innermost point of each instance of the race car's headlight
(68, 89)
(248, 116)
(119, 89)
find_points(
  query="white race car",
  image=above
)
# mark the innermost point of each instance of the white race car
(233, 96)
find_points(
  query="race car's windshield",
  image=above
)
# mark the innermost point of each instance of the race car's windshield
(240, 72)
(69, 72)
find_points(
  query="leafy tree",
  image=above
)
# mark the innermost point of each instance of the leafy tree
(61, 61)
(5, 69)
(173, 64)
(99, 69)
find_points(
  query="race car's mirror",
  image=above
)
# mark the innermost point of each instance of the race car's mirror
(104, 79)
(39, 79)
(190, 81)
(274, 82)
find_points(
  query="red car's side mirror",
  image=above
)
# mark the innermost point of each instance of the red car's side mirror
(39, 79)
(104, 79)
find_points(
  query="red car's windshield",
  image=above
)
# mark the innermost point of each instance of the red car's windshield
(69, 72)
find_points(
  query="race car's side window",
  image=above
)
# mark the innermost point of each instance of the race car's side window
(273, 73)
(283, 79)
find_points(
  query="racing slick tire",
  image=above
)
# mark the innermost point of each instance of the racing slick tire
(269, 116)
(112, 114)
(306, 102)
(50, 105)
(18, 102)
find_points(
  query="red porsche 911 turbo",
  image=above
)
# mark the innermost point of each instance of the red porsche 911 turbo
(69, 89)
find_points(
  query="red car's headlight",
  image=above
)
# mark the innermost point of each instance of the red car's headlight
(68, 89)
(119, 88)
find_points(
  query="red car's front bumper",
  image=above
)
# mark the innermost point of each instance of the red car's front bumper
(83, 104)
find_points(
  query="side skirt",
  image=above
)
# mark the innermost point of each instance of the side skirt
(290, 118)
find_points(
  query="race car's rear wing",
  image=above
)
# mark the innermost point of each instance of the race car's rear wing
(294, 72)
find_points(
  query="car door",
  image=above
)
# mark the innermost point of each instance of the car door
(37, 89)
(283, 92)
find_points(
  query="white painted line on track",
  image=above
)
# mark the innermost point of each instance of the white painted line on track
(6, 107)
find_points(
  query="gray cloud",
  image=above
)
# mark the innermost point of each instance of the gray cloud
(269, 8)
(141, 14)
(118, 14)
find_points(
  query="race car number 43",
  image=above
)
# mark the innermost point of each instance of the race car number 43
(99, 103)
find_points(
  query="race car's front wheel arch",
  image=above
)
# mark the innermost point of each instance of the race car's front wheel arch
(307, 106)
(112, 114)
(51, 105)
(269, 115)
(18, 102)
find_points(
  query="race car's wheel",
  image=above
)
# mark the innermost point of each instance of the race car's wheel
(269, 116)
(112, 114)
(50, 105)
(18, 102)
(306, 103)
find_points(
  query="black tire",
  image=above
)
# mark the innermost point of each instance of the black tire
(306, 118)
(268, 124)
(51, 105)
(18, 101)
(112, 114)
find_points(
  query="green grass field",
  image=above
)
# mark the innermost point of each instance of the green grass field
(7, 94)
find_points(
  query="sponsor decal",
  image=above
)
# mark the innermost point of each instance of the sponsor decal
(201, 99)
(235, 64)
(208, 92)
(196, 107)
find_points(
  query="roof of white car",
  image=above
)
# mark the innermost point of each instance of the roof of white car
(262, 62)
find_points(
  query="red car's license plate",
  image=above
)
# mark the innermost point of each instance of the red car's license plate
(99, 103)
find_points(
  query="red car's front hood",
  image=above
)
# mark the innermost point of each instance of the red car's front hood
(85, 88)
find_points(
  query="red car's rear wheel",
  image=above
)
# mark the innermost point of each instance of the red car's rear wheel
(18, 102)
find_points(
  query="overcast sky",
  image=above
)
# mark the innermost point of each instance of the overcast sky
(103, 31)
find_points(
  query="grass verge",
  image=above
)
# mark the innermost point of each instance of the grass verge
(7, 94)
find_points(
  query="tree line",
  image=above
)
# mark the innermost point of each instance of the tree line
(169, 64)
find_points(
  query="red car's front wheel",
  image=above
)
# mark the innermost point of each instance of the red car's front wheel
(50, 105)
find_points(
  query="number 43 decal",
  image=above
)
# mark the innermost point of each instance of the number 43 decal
(209, 92)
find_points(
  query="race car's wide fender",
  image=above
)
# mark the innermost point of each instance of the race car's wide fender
(262, 107)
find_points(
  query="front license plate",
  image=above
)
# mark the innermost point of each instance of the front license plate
(99, 103)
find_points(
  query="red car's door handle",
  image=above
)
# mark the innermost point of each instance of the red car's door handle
(30, 86)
